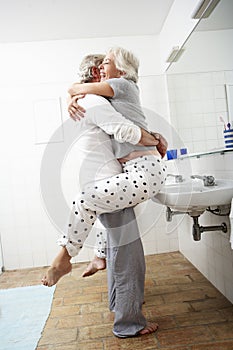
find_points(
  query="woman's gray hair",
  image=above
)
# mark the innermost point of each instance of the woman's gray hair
(85, 68)
(126, 62)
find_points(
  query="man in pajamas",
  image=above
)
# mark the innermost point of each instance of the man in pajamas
(125, 261)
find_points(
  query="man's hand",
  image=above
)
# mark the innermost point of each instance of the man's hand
(75, 111)
(154, 139)
(147, 139)
(162, 145)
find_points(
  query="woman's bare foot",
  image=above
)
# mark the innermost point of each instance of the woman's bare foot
(150, 328)
(60, 267)
(95, 265)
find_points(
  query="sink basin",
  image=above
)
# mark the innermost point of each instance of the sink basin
(193, 197)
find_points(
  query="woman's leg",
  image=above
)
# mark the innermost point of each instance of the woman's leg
(60, 267)
(142, 179)
(99, 261)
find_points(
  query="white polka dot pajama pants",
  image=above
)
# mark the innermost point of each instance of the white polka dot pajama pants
(142, 178)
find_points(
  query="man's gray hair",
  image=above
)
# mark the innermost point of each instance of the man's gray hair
(126, 62)
(85, 68)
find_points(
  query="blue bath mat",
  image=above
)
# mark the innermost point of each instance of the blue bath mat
(23, 313)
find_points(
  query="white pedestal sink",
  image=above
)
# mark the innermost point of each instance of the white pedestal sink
(193, 197)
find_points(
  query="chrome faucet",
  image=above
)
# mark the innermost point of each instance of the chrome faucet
(178, 178)
(208, 180)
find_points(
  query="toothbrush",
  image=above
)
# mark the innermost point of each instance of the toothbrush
(223, 121)
(229, 125)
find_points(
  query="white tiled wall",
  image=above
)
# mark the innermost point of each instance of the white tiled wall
(197, 100)
(212, 255)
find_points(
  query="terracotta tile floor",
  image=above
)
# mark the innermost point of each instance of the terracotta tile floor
(191, 313)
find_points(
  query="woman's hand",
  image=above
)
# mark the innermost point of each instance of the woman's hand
(75, 111)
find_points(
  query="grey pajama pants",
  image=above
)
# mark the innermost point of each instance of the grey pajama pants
(142, 178)
(126, 272)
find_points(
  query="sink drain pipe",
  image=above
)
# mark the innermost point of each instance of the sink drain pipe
(198, 230)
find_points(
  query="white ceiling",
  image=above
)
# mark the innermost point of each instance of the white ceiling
(36, 20)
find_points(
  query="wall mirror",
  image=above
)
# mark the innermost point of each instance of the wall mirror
(197, 82)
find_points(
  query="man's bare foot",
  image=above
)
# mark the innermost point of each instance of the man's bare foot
(95, 265)
(60, 267)
(150, 328)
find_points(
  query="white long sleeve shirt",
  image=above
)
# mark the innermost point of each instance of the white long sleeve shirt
(95, 153)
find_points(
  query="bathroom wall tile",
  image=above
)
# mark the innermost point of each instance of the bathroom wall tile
(197, 120)
(207, 92)
(194, 93)
(182, 108)
(180, 94)
(198, 134)
(212, 144)
(10, 243)
(172, 95)
(180, 81)
(220, 283)
(173, 244)
(211, 133)
(39, 259)
(219, 78)
(219, 91)
(211, 274)
(171, 81)
(12, 260)
(190, 147)
(26, 260)
(220, 133)
(227, 267)
(218, 263)
(172, 106)
(229, 289)
(220, 105)
(85, 254)
(210, 251)
(209, 119)
(228, 77)
(183, 122)
(151, 235)
(192, 80)
(221, 143)
(206, 79)
(163, 245)
(226, 249)
(185, 134)
(150, 247)
(208, 106)
(224, 115)
(199, 146)
(196, 106)
(51, 251)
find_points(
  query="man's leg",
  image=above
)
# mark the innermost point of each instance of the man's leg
(126, 272)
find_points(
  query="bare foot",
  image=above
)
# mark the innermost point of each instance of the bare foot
(150, 328)
(95, 265)
(60, 267)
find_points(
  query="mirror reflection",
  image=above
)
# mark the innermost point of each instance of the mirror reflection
(198, 82)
